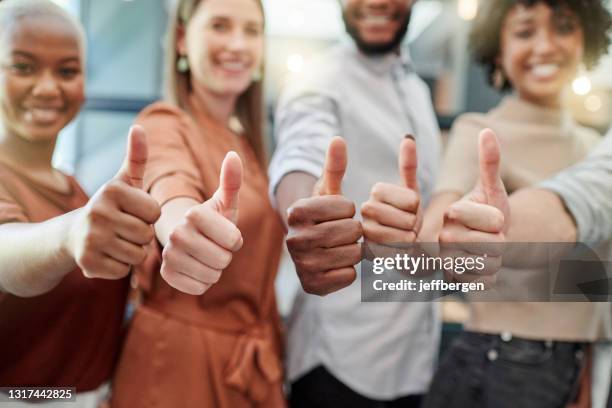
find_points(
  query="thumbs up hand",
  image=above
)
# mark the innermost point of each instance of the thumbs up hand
(203, 244)
(111, 232)
(323, 234)
(392, 215)
(476, 224)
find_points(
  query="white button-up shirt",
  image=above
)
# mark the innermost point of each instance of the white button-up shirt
(380, 350)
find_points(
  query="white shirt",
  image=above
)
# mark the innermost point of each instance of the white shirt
(380, 350)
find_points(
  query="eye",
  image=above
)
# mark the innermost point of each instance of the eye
(253, 31)
(22, 68)
(220, 26)
(69, 72)
(565, 25)
(524, 33)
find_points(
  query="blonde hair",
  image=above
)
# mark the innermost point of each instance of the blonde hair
(13, 10)
(177, 85)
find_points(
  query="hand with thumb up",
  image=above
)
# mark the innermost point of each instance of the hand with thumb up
(392, 215)
(203, 244)
(110, 233)
(323, 234)
(476, 225)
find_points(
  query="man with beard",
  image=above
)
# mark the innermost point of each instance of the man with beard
(342, 352)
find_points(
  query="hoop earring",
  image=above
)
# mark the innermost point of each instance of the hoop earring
(182, 64)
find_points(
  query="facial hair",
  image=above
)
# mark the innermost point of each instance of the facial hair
(377, 49)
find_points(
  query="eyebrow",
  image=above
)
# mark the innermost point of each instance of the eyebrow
(32, 56)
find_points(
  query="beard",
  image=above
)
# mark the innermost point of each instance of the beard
(377, 49)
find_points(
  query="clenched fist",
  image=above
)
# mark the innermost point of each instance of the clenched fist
(323, 234)
(111, 232)
(392, 214)
(476, 224)
(203, 244)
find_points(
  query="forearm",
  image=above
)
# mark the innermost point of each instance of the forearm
(539, 215)
(34, 258)
(292, 187)
(172, 213)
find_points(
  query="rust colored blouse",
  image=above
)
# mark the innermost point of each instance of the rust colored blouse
(70, 336)
(221, 349)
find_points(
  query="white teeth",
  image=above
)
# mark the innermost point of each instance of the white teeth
(376, 19)
(233, 66)
(545, 70)
(41, 115)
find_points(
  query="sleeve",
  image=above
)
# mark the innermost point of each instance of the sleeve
(586, 189)
(171, 169)
(459, 171)
(306, 120)
(10, 209)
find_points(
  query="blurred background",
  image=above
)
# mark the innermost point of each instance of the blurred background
(125, 40)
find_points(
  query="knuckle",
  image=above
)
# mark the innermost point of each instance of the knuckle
(112, 189)
(378, 191)
(225, 258)
(367, 210)
(296, 214)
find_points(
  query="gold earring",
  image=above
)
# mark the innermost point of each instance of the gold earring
(499, 79)
(182, 64)
(257, 75)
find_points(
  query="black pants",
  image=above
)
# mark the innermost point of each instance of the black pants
(484, 371)
(320, 389)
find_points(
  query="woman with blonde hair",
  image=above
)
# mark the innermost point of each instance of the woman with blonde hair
(192, 344)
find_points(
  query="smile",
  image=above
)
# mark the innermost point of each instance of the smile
(545, 70)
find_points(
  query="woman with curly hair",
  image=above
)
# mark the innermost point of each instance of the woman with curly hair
(523, 354)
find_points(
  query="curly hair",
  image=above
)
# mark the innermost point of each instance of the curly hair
(485, 36)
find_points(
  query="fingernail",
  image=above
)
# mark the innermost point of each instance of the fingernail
(409, 136)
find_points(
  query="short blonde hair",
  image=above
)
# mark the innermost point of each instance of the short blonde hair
(13, 10)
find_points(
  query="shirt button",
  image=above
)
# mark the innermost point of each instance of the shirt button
(506, 336)
(492, 355)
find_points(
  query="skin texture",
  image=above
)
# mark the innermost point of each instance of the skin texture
(482, 216)
(42, 90)
(323, 234)
(392, 214)
(535, 37)
(223, 42)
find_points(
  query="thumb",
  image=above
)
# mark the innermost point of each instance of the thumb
(334, 167)
(230, 181)
(408, 163)
(133, 168)
(489, 158)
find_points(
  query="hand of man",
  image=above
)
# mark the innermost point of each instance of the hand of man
(475, 226)
(110, 234)
(204, 243)
(392, 215)
(323, 234)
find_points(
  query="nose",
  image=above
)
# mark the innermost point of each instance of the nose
(46, 86)
(237, 41)
(545, 42)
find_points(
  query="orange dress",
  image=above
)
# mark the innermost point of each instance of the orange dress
(71, 335)
(221, 349)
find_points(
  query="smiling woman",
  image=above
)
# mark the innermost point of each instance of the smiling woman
(208, 332)
(535, 48)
